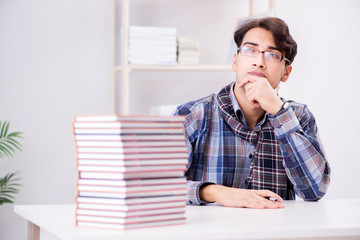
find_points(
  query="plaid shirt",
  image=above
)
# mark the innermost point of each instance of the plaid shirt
(282, 153)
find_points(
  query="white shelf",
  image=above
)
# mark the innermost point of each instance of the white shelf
(194, 68)
(126, 68)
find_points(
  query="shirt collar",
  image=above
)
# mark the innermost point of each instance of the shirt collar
(239, 113)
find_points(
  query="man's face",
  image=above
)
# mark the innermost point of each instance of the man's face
(244, 66)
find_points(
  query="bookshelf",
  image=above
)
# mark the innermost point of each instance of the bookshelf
(125, 69)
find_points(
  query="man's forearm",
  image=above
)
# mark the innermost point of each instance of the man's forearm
(234, 197)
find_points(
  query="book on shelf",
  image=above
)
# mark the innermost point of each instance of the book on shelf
(152, 45)
(140, 31)
(130, 137)
(116, 226)
(188, 50)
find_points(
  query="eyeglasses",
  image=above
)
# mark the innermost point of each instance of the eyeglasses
(254, 52)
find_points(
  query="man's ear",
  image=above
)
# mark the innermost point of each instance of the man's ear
(233, 65)
(287, 72)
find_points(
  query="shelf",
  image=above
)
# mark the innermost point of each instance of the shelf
(194, 68)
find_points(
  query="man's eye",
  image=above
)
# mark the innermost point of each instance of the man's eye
(250, 50)
(274, 55)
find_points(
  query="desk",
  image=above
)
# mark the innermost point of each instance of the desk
(330, 219)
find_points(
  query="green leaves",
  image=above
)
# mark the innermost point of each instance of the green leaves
(8, 145)
(8, 142)
(8, 187)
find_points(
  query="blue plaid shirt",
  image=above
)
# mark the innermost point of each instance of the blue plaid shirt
(218, 155)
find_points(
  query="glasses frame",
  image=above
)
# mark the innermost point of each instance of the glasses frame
(259, 51)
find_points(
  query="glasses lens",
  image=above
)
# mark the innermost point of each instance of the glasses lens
(249, 51)
(272, 56)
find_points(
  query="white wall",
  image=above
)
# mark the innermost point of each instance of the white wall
(54, 64)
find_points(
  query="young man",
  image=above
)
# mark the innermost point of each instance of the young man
(246, 144)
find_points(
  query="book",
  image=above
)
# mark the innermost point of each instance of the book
(124, 190)
(131, 156)
(131, 220)
(152, 31)
(126, 214)
(131, 169)
(121, 176)
(129, 150)
(130, 137)
(129, 130)
(115, 226)
(152, 45)
(133, 182)
(134, 118)
(133, 207)
(134, 202)
(128, 124)
(188, 50)
(128, 163)
(131, 194)
(130, 144)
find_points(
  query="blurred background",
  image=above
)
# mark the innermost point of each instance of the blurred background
(55, 63)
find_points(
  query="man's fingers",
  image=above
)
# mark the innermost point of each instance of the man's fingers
(267, 193)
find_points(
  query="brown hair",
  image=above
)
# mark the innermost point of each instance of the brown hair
(278, 28)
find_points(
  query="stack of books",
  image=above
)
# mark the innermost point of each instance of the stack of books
(152, 45)
(131, 171)
(188, 50)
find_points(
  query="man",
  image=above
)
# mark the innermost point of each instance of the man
(247, 146)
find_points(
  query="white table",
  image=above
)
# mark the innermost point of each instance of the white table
(330, 219)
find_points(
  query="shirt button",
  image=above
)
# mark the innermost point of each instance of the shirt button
(250, 156)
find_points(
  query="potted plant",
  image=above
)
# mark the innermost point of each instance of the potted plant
(8, 146)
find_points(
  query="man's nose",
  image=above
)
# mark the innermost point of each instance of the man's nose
(259, 61)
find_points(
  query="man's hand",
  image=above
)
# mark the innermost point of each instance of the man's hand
(261, 94)
(233, 197)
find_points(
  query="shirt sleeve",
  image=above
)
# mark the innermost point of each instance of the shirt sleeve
(304, 157)
(191, 130)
